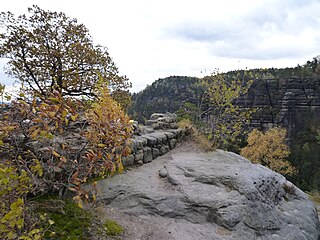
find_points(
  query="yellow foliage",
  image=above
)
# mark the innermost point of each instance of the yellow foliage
(269, 149)
(108, 133)
(49, 124)
(2, 87)
(226, 120)
(14, 187)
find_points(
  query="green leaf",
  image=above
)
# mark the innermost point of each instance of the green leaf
(55, 153)
(37, 237)
(74, 117)
(11, 235)
(34, 231)
(51, 221)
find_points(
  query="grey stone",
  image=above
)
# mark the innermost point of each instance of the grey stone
(160, 125)
(150, 122)
(217, 195)
(147, 155)
(161, 140)
(175, 132)
(164, 149)
(282, 101)
(141, 142)
(133, 145)
(155, 116)
(163, 172)
(136, 128)
(138, 156)
(146, 129)
(173, 125)
(169, 135)
(128, 160)
(162, 137)
(172, 143)
(151, 140)
(155, 153)
(163, 121)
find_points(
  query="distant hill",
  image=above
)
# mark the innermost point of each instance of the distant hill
(164, 95)
(281, 95)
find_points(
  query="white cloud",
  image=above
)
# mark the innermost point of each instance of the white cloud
(151, 39)
(270, 30)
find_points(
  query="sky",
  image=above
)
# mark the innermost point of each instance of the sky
(150, 39)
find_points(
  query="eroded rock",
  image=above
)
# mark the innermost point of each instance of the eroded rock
(163, 121)
(217, 195)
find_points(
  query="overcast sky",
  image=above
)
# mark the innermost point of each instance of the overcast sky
(150, 39)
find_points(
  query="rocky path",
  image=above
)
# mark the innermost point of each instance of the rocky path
(199, 195)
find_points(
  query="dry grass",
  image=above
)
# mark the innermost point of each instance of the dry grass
(198, 137)
(314, 195)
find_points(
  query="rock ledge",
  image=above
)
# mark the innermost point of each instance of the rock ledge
(217, 195)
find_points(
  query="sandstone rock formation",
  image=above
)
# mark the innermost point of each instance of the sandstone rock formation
(290, 102)
(217, 195)
(163, 121)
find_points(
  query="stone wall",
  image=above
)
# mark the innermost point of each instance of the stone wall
(146, 147)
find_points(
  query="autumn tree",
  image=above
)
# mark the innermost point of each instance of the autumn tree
(194, 106)
(269, 149)
(225, 121)
(49, 51)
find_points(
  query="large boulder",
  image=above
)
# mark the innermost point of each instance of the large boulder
(163, 121)
(217, 195)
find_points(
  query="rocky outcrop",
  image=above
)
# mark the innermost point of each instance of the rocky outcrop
(289, 102)
(163, 121)
(217, 195)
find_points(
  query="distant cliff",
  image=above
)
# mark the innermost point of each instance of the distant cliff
(292, 102)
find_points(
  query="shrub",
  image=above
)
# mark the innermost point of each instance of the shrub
(64, 143)
(15, 218)
(55, 144)
(269, 149)
(227, 122)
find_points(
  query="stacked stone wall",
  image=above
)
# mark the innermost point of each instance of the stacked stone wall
(149, 146)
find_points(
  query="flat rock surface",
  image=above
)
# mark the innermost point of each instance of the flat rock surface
(215, 195)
